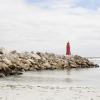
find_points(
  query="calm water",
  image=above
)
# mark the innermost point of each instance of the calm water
(79, 84)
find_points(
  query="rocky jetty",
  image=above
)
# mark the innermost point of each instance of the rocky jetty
(14, 63)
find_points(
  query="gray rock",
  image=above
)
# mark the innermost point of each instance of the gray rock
(13, 52)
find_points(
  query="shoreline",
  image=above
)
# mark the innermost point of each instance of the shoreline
(14, 63)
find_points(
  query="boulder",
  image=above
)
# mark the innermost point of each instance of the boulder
(15, 73)
(36, 56)
(32, 62)
(6, 61)
(3, 51)
(47, 65)
(13, 52)
(12, 63)
(3, 66)
(72, 64)
(96, 65)
(60, 63)
(2, 75)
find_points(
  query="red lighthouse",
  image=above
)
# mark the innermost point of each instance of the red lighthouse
(68, 51)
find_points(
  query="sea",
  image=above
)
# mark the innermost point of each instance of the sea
(71, 84)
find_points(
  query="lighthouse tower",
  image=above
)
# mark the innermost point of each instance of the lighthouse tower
(68, 51)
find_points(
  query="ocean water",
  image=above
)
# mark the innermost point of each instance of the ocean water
(75, 84)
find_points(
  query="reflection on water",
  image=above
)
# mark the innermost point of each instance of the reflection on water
(75, 84)
(68, 80)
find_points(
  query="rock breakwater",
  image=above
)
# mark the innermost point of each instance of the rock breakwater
(14, 63)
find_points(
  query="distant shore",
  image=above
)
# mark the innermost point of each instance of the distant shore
(14, 63)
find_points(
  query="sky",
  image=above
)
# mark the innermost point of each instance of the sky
(47, 25)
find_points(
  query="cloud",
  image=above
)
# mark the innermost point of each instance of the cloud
(88, 4)
(32, 26)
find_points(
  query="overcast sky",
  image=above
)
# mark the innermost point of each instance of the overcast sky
(46, 25)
